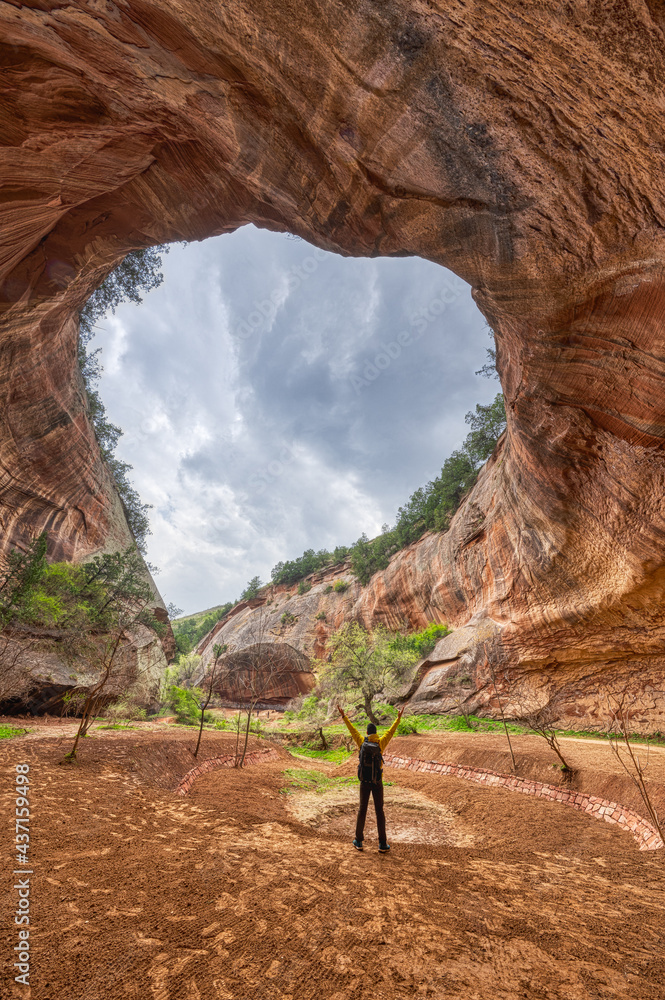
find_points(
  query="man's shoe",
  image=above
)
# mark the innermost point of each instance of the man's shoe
(384, 848)
(358, 844)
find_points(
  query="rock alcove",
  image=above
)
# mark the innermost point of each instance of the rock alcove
(520, 146)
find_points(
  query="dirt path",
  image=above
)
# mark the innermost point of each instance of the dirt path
(228, 895)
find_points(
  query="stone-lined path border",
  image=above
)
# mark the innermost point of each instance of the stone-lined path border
(645, 834)
(227, 760)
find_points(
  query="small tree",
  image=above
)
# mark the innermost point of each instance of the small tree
(252, 589)
(218, 652)
(111, 611)
(250, 673)
(503, 718)
(540, 721)
(365, 664)
(19, 586)
(460, 698)
(618, 729)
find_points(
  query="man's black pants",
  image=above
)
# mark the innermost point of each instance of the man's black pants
(376, 791)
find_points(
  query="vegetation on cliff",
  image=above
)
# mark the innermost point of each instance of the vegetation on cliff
(429, 508)
(139, 271)
(86, 613)
(90, 596)
(189, 631)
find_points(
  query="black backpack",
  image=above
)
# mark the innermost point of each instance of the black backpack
(370, 763)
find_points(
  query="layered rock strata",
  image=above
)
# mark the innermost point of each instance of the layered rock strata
(262, 672)
(520, 145)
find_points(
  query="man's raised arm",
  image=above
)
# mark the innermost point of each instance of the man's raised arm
(386, 738)
(357, 738)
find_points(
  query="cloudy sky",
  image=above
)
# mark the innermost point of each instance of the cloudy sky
(276, 398)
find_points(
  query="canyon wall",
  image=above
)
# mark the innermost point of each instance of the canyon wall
(520, 145)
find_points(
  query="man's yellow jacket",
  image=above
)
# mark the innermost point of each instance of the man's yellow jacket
(383, 741)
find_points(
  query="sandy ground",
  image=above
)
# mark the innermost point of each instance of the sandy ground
(243, 891)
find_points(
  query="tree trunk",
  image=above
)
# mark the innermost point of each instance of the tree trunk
(244, 749)
(369, 711)
(198, 742)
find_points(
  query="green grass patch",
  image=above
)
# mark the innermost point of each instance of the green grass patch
(301, 780)
(653, 739)
(454, 724)
(334, 756)
(117, 725)
(6, 732)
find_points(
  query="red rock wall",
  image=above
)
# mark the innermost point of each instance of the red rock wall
(520, 145)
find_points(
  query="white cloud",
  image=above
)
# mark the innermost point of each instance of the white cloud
(234, 384)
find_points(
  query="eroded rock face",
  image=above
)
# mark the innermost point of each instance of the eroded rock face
(38, 670)
(520, 145)
(263, 674)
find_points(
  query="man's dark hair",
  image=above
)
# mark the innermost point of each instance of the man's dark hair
(371, 728)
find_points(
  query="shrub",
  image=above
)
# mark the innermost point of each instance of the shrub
(185, 706)
(321, 617)
(407, 726)
(127, 711)
(340, 586)
(304, 587)
(310, 707)
(287, 618)
(421, 643)
(329, 589)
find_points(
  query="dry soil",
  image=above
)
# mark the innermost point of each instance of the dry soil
(242, 891)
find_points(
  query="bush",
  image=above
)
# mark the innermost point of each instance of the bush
(321, 617)
(422, 643)
(310, 707)
(340, 586)
(304, 587)
(125, 710)
(407, 726)
(329, 589)
(185, 706)
(287, 618)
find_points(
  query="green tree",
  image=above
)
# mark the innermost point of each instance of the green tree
(252, 589)
(18, 586)
(139, 271)
(309, 562)
(368, 557)
(365, 664)
(431, 507)
(21, 579)
(110, 602)
(188, 633)
(218, 651)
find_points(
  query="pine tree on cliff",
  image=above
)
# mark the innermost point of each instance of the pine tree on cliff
(139, 271)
